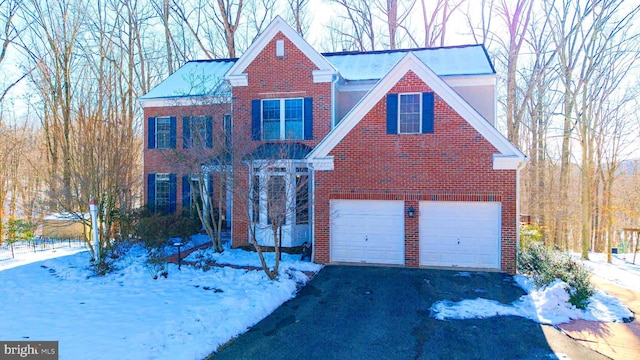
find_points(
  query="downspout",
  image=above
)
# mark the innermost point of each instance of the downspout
(334, 82)
(313, 210)
(519, 168)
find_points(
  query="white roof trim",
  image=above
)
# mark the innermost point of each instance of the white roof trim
(508, 162)
(411, 62)
(185, 101)
(325, 163)
(276, 26)
(238, 79)
(470, 80)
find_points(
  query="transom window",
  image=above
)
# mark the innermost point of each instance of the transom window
(409, 114)
(163, 132)
(283, 119)
(162, 193)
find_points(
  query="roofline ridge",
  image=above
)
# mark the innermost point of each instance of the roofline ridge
(356, 52)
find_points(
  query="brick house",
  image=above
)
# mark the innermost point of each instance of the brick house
(401, 162)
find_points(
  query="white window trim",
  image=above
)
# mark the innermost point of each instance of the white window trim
(400, 113)
(282, 118)
(162, 177)
(168, 118)
(263, 170)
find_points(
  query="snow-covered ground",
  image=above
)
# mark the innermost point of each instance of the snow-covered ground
(621, 271)
(129, 315)
(550, 305)
(23, 259)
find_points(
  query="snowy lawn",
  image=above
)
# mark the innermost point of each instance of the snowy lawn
(621, 271)
(128, 315)
(550, 305)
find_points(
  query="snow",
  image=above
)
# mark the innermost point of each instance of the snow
(547, 305)
(23, 259)
(194, 78)
(129, 315)
(459, 60)
(66, 216)
(621, 271)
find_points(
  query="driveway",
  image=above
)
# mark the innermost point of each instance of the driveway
(358, 312)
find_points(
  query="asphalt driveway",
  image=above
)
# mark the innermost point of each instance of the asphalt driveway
(357, 312)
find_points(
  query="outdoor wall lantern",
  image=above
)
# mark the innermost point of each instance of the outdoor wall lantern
(411, 212)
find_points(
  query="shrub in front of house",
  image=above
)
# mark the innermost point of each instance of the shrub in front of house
(545, 265)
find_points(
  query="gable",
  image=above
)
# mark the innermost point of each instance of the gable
(507, 156)
(237, 74)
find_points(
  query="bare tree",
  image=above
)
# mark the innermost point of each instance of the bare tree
(360, 17)
(435, 20)
(298, 15)
(272, 190)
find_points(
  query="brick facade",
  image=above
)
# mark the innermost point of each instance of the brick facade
(178, 161)
(452, 164)
(273, 77)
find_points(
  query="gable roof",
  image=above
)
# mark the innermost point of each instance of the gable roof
(444, 61)
(195, 78)
(509, 155)
(236, 74)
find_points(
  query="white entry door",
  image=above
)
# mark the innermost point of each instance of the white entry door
(367, 231)
(460, 234)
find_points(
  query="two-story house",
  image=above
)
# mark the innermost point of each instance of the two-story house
(391, 157)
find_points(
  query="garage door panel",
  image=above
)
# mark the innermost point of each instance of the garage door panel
(464, 234)
(367, 231)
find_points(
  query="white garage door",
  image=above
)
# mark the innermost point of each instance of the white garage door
(367, 231)
(464, 234)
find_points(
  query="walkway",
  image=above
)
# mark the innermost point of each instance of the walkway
(615, 340)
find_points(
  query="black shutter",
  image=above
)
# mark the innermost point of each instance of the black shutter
(172, 134)
(186, 133)
(151, 191)
(209, 130)
(427, 113)
(186, 192)
(308, 118)
(392, 113)
(255, 120)
(172, 193)
(151, 136)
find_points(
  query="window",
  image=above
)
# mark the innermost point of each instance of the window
(197, 132)
(282, 119)
(409, 115)
(163, 132)
(302, 199)
(191, 191)
(277, 200)
(162, 193)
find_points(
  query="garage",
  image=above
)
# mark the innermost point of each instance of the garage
(367, 231)
(460, 234)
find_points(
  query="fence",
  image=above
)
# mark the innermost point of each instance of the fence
(22, 248)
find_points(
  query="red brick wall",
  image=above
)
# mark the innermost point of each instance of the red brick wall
(178, 161)
(452, 164)
(271, 77)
